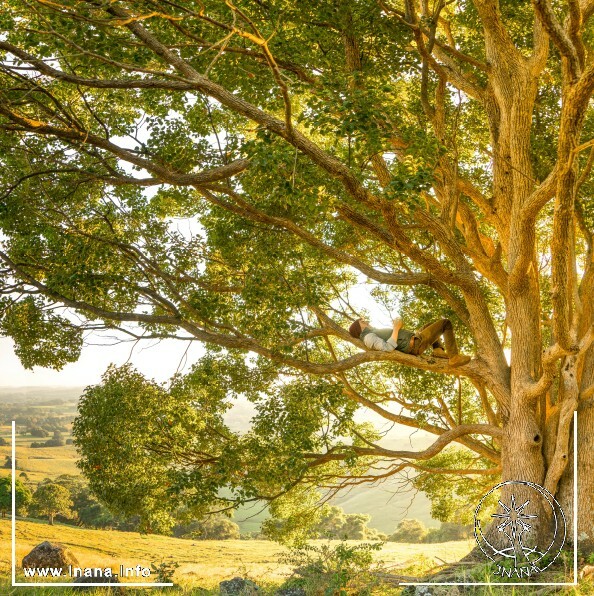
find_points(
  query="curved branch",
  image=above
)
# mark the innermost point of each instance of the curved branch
(472, 444)
(563, 43)
(165, 174)
(473, 369)
(436, 447)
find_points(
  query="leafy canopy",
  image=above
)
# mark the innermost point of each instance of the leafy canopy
(236, 173)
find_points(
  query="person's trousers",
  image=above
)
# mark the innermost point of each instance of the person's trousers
(429, 336)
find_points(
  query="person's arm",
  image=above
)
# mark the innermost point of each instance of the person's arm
(396, 326)
(375, 342)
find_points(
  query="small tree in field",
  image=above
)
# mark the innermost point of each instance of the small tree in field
(213, 527)
(22, 498)
(51, 499)
(218, 528)
(409, 530)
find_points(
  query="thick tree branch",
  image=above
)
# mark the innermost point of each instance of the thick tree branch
(437, 446)
(544, 10)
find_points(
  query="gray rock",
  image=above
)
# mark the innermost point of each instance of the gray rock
(50, 554)
(238, 586)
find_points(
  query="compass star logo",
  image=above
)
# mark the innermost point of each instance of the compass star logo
(513, 533)
(513, 526)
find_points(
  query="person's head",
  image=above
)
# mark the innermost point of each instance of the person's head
(357, 327)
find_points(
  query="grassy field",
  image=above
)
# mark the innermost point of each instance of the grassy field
(202, 563)
(44, 462)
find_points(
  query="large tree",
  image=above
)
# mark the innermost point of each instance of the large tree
(225, 172)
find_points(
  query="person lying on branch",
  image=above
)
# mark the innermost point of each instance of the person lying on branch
(411, 342)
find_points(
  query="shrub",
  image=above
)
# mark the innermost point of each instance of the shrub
(449, 531)
(164, 571)
(409, 530)
(215, 527)
(340, 569)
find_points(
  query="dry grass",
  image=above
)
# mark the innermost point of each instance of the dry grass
(202, 563)
(45, 462)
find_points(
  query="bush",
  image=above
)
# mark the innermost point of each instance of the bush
(324, 569)
(448, 532)
(409, 530)
(215, 527)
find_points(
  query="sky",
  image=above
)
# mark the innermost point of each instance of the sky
(157, 361)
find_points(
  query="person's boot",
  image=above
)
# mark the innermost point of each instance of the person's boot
(458, 360)
(439, 353)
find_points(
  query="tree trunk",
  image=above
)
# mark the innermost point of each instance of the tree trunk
(522, 460)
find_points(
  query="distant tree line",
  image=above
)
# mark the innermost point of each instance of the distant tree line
(334, 523)
(57, 441)
(413, 530)
(69, 500)
(26, 421)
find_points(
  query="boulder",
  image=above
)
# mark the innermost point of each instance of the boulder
(50, 554)
(238, 586)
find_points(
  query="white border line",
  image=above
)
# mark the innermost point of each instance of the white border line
(575, 533)
(16, 584)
